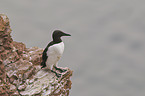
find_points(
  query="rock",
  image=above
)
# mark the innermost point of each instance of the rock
(19, 47)
(20, 70)
(1, 49)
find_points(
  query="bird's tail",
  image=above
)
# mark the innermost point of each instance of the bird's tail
(43, 64)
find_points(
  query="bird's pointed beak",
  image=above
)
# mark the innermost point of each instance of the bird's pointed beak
(65, 34)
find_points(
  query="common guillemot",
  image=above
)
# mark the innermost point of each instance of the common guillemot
(53, 52)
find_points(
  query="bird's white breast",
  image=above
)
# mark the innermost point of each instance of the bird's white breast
(56, 49)
(54, 53)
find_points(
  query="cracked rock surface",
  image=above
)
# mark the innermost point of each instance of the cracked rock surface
(20, 70)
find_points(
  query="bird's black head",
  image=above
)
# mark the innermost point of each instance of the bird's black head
(57, 34)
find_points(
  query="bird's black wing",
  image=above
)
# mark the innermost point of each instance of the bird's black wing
(45, 56)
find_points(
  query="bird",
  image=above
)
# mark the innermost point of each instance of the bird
(53, 52)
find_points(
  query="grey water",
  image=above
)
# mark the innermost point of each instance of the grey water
(106, 50)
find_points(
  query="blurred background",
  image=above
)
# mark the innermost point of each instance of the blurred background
(106, 50)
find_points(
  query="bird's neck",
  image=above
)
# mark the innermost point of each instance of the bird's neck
(57, 40)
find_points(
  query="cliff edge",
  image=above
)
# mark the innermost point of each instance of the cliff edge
(20, 70)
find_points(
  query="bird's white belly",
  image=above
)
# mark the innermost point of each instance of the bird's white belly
(54, 53)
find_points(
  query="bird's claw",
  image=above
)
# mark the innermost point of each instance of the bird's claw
(61, 70)
(57, 74)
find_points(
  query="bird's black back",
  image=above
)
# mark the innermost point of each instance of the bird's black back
(44, 55)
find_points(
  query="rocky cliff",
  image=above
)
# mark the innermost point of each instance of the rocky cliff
(20, 71)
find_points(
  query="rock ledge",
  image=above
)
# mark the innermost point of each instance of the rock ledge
(20, 71)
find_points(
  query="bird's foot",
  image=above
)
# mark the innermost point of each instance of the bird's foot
(57, 74)
(59, 69)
